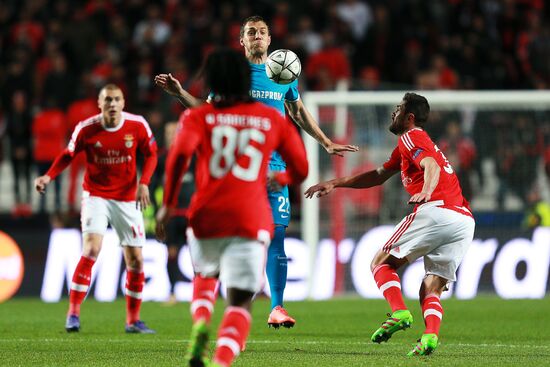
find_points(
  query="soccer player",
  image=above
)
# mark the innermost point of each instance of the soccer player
(230, 217)
(440, 228)
(255, 39)
(111, 194)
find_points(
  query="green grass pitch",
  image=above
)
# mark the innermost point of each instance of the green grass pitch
(486, 331)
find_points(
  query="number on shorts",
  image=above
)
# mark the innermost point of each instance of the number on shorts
(284, 204)
(225, 141)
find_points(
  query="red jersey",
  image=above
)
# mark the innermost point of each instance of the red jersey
(233, 147)
(412, 147)
(111, 170)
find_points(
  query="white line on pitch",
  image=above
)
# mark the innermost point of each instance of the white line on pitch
(252, 341)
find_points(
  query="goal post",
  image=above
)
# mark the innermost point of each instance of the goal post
(363, 109)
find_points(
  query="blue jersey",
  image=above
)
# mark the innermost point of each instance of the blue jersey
(264, 90)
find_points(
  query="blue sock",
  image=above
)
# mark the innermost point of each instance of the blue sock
(276, 267)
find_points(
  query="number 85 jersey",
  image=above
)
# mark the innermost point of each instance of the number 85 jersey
(412, 147)
(233, 146)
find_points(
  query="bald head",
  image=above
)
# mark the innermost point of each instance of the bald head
(111, 103)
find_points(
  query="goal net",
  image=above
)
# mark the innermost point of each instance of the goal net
(497, 141)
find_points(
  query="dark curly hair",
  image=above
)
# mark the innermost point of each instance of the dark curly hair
(227, 74)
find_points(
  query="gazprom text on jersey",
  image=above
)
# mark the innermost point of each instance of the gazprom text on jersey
(266, 94)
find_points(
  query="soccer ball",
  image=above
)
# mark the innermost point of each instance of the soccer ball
(283, 66)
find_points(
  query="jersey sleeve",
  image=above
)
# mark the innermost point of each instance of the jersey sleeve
(148, 147)
(394, 161)
(62, 161)
(189, 135)
(292, 94)
(76, 142)
(416, 146)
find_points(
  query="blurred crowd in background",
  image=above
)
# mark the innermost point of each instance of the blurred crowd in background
(56, 54)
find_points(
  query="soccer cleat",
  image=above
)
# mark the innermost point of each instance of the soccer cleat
(279, 317)
(425, 346)
(198, 345)
(72, 324)
(399, 320)
(139, 327)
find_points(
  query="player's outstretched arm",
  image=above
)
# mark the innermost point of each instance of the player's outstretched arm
(41, 182)
(173, 87)
(301, 116)
(58, 165)
(360, 181)
(321, 189)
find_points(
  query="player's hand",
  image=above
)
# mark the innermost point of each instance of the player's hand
(143, 200)
(41, 182)
(339, 149)
(420, 198)
(322, 189)
(170, 84)
(162, 217)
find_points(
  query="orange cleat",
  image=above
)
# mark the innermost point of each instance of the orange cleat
(279, 317)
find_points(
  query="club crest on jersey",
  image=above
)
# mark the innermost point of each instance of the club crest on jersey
(128, 140)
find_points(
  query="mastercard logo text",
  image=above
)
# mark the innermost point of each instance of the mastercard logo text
(12, 267)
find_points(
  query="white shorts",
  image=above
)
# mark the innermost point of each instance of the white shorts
(124, 217)
(240, 262)
(441, 235)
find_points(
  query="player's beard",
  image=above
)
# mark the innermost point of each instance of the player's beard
(397, 127)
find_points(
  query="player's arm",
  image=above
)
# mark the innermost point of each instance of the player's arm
(432, 171)
(148, 147)
(364, 180)
(61, 162)
(301, 116)
(173, 87)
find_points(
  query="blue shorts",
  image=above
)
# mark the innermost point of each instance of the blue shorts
(279, 201)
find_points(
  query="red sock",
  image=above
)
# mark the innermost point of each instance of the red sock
(204, 297)
(79, 286)
(134, 286)
(433, 313)
(232, 335)
(389, 284)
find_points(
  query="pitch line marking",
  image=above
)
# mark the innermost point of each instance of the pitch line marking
(293, 341)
